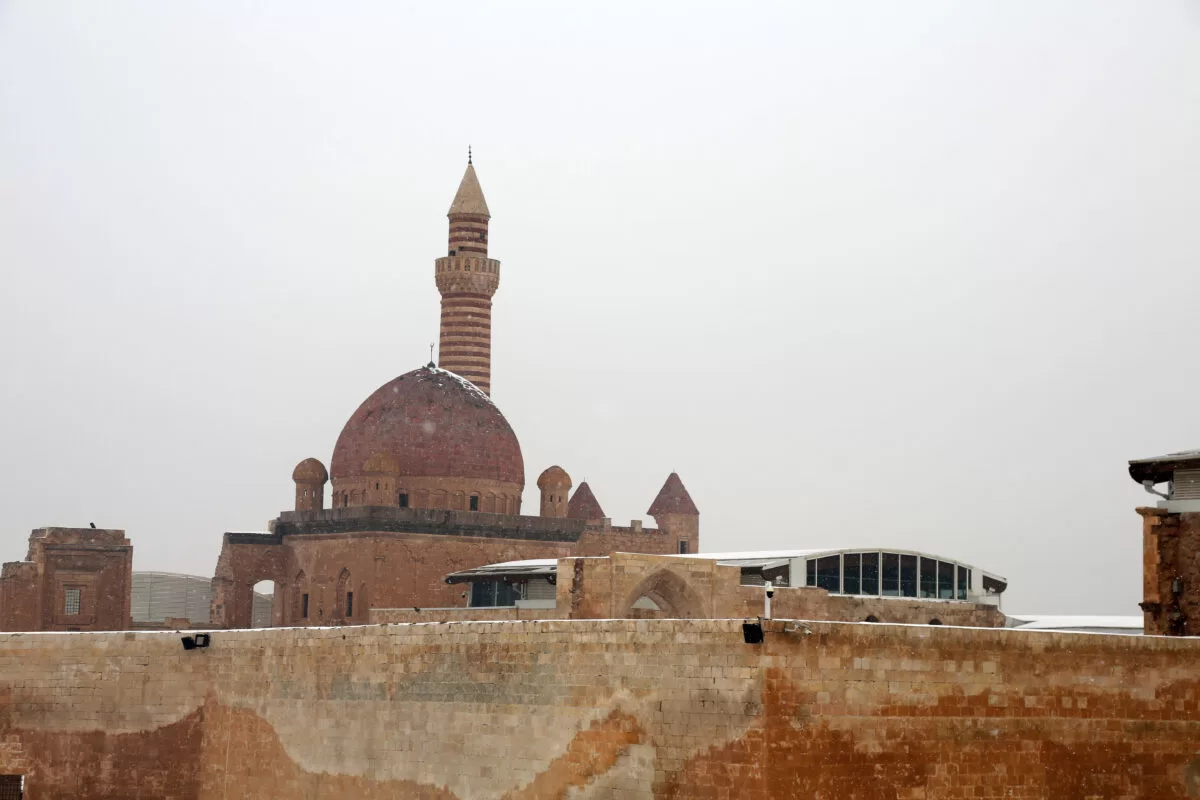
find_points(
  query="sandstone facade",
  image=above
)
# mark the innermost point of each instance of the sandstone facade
(693, 588)
(601, 709)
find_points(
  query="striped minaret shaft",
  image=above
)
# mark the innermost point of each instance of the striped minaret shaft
(467, 279)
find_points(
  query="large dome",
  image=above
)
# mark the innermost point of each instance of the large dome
(434, 424)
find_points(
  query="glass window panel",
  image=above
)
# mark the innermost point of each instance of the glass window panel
(870, 573)
(829, 573)
(811, 567)
(483, 594)
(908, 576)
(928, 577)
(945, 580)
(851, 573)
(507, 594)
(891, 575)
(964, 581)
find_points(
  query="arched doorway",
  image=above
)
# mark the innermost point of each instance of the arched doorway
(664, 595)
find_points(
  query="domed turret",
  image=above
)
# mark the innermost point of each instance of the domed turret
(555, 484)
(310, 477)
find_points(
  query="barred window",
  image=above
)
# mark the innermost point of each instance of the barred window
(73, 596)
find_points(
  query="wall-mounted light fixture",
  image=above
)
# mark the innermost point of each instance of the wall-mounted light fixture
(192, 642)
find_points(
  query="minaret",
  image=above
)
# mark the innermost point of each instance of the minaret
(467, 279)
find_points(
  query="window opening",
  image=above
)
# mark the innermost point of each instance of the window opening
(474, 502)
(304, 606)
(12, 787)
(683, 547)
(891, 575)
(945, 580)
(72, 602)
(928, 577)
(852, 573)
(829, 576)
(404, 499)
(349, 604)
(492, 594)
(908, 576)
(870, 573)
(964, 581)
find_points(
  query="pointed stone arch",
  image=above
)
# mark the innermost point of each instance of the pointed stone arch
(671, 594)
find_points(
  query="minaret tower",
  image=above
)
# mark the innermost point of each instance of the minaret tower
(467, 279)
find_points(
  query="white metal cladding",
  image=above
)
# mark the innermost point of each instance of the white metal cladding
(1187, 485)
(154, 596)
(539, 589)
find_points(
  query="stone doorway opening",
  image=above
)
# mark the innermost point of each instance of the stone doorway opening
(263, 608)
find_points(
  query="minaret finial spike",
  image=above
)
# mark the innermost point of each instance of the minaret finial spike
(468, 155)
(431, 363)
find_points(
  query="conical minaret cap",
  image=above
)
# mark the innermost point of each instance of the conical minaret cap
(469, 199)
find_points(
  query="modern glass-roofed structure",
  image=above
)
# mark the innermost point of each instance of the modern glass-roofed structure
(868, 572)
(884, 573)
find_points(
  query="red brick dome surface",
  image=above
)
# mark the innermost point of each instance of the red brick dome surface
(435, 424)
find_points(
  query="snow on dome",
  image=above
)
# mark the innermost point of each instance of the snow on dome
(433, 423)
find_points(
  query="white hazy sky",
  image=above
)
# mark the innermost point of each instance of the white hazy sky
(911, 274)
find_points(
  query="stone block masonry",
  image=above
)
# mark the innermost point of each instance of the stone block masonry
(601, 709)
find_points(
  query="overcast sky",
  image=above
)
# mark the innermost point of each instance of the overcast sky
(916, 274)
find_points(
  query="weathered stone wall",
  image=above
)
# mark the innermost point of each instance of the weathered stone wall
(1171, 572)
(625, 709)
(691, 588)
(95, 562)
(390, 558)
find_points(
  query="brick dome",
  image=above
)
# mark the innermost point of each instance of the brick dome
(554, 478)
(433, 424)
(310, 470)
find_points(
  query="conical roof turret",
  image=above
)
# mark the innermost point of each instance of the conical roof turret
(673, 498)
(469, 199)
(584, 505)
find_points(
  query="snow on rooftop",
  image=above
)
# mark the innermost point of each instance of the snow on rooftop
(529, 562)
(1032, 622)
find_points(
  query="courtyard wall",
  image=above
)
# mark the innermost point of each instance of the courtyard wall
(601, 708)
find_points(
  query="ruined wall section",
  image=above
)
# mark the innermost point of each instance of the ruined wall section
(609, 708)
(1171, 572)
(71, 579)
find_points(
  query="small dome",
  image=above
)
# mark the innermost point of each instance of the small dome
(381, 464)
(554, 478)
(310, 470)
